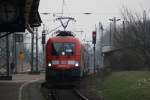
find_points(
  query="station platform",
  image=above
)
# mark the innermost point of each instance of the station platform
(25, 77)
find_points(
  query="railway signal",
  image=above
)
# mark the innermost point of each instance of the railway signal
(94, 37)
(43, 38)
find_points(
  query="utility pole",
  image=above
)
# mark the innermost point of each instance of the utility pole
(101, 29)
(145, 25)
(62, 9)
(94, 42)
(145, 36)
(123, 29)
(114, 20)
(110, 37)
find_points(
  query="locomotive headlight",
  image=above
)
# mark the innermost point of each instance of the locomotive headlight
(49, 64)
(76, 64)
(63, 53)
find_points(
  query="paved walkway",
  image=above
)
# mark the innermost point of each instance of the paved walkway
(16, 88)
(25, 77)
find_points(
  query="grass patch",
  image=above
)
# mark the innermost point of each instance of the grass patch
(127, 85)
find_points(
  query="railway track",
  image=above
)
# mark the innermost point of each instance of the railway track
(53, 94)
(64, 93)
(78, 93)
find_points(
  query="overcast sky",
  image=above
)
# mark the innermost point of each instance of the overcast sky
(101, 11)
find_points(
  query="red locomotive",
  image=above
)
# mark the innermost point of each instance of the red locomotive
(65, 57)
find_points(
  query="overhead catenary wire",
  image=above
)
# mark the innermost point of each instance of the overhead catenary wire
(80, 13)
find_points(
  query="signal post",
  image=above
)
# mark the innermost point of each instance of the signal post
(43, 45)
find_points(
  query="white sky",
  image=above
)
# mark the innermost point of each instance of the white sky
(101, 11)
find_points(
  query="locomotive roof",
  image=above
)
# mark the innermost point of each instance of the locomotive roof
(64, 36)
(64, 39)
(65, 33)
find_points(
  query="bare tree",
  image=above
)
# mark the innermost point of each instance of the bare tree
(134, 38)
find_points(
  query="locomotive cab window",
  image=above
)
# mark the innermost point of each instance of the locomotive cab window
(63, 49)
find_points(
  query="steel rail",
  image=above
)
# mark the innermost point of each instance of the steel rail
(78, 93)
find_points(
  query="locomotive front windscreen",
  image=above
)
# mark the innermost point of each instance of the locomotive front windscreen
(63, 48)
